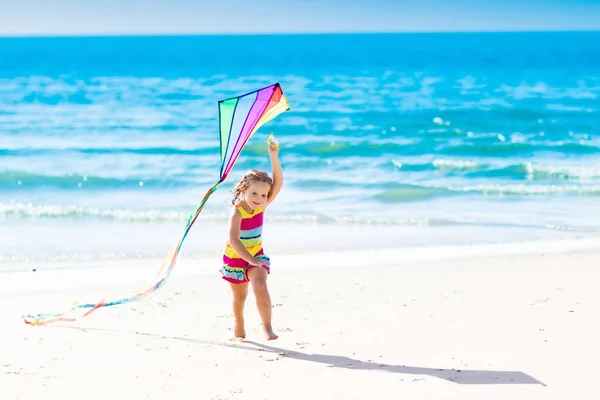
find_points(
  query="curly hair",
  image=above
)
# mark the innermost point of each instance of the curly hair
(248, 179)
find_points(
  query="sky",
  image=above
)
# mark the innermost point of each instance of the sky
(126, 17)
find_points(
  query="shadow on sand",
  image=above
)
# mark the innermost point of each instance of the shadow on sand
(459, 376)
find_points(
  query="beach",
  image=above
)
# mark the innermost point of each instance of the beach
(462, 322)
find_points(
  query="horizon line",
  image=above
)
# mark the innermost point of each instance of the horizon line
(299, 33)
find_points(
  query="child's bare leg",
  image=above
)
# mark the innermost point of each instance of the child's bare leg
(240, 292)
(258, 278)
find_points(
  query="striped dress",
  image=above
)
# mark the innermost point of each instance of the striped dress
(234, 267)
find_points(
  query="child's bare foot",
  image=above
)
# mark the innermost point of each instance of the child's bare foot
(270, 334)
(238, 330)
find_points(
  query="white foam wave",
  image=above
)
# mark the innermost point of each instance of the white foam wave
(43, 211)
(524, 189)
(544, 90)
(443, 164)
(578, 172)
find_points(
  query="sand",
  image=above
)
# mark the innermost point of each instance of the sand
(466, 323)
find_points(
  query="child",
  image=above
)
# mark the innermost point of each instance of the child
(243, 258)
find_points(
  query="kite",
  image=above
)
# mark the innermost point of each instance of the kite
(239, 118)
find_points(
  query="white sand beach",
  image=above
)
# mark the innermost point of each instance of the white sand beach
(463, 323)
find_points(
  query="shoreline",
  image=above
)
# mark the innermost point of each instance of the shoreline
(55, 276)
(45, 244)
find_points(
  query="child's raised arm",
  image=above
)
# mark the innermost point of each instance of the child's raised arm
(276, 171)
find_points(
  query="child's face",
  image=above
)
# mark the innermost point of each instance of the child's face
(256, 194)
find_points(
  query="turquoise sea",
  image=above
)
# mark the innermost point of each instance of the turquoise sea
(107, 144)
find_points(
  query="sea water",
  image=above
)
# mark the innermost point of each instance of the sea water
(107, 144)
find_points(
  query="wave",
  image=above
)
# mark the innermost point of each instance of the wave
(508, 149)
(395, 194)
(345, 147)
(525, 170)
(525, 178)
(314, 148)
(24, 211)
(33, 151)
(410, 193)
(24, 180)
(334, 148)
(338, 147)
(536, 171)
(21, 211)
(47, 211)
(27, 258)
(528, 190)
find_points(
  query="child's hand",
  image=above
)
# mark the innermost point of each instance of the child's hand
(259, 262)
(273, 148)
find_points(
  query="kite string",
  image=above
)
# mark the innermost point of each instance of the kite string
(45, 319)
(276, 104)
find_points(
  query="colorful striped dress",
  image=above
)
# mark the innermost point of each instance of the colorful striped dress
(234, 267)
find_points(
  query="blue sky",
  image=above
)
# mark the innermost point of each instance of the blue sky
(74, 17)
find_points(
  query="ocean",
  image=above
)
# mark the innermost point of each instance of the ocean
(107, 144)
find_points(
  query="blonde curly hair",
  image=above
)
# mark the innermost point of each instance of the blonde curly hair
(248, 179)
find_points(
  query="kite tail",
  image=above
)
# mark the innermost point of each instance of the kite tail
(163, 274)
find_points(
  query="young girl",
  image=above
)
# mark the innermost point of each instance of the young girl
(243, 259)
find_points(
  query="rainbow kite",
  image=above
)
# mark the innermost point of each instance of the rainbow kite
(239, 118)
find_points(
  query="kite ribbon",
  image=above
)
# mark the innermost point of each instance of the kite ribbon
(161, 277)
(239, 118)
